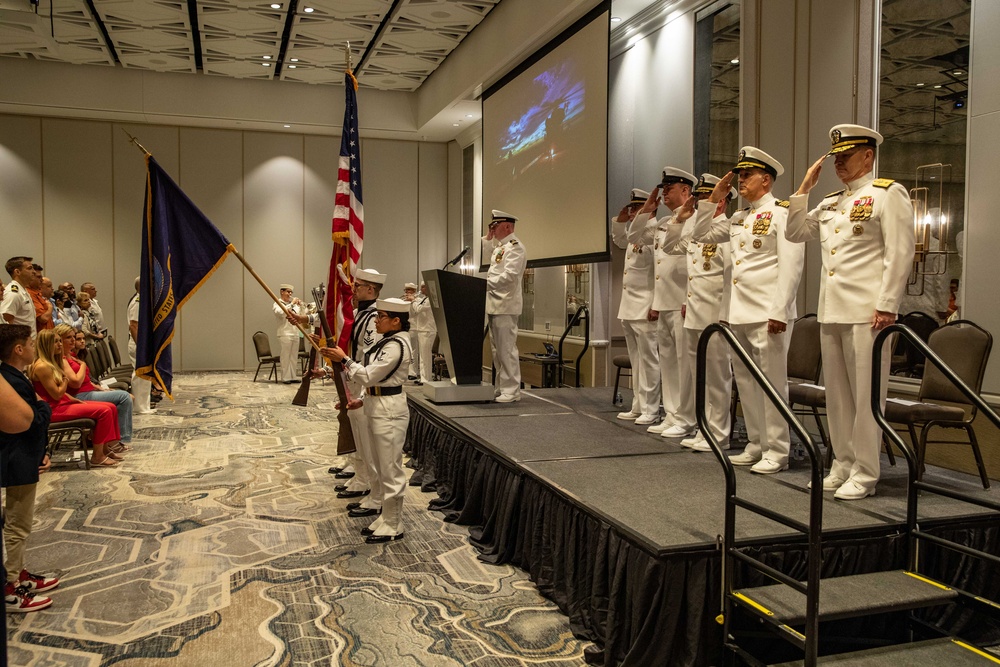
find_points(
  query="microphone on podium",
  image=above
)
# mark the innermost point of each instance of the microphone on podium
(458, 258)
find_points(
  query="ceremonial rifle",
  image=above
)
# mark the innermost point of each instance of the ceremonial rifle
(345, 436)
(302, 395)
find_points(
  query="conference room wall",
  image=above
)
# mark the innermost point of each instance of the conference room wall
(71, 195)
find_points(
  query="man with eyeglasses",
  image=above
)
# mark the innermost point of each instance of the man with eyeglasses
(766, 269)
(866, 235)
(504, 303)
(288, 333)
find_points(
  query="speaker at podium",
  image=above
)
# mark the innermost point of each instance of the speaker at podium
(458, 302)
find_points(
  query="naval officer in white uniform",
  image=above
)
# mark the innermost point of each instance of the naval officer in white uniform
(765, 280)
(637, 301)
(669, 288)
(504, 303)
(708, 266)
(866, 234)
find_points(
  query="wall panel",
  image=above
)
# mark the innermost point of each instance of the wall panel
(389, 169)
(432, 233)
(20, 188)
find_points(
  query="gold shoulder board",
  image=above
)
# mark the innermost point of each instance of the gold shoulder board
(882, 182)
(12, 288)
(513, 242)
(783, 203)
(834, 194)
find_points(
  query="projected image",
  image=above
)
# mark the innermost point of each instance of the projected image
(542, 134)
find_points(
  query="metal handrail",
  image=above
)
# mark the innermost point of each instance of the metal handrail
(815, 526)
(912, 483)
(586, 342)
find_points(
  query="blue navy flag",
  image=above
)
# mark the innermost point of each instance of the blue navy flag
(180, 250)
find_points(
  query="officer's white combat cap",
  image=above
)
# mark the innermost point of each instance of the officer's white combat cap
(393, 305)
(371, 276)
(751, 157)
(500, 216)
(286, 286)
(639, 196)
(410, 286)
(845, 137)
(707, 183)
(674, 175)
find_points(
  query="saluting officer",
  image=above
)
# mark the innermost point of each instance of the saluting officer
(866, 234)
(637, 301)
(707, 265)
(382, 373)
(669, 288)
(766, 269)
(504, 303)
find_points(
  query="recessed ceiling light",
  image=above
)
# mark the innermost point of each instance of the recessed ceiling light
(920, 85)
(938, 86)
(959, 72)
(455, 124)
(275, 5)
(308, 10)
(292, 66)
(470, 115)
(288, 126)
(267, 57)
(616, 19)
(266, 64)
(735, 61)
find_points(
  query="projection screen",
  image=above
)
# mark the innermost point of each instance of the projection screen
(545, 147)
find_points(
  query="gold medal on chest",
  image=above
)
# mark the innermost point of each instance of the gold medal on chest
(499, 256)
(761, 224)
(858, 230)
(757, 243)
(707, 266)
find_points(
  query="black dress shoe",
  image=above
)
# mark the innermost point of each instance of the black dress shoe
(333, 470)
(344, 475)
(352, 494)
(381, 539)
(340, 487)
(354, 505)
(363, 511)
(367, 532)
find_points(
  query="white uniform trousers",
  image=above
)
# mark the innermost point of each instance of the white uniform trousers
(424, 352)
(766, 428)
(670, 346)
(718, 384)
(388, 417)
(503, 341)
(414, 369)
(640, 339)
(140, 386)
(361, 461)
(847, 371)
(288, 345)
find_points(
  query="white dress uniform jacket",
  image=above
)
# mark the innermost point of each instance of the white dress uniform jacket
(503, 281)
(17, 302)
(636, 240)
(422, 333)
(363, 338)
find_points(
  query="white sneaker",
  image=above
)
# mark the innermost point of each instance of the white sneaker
(647, 419)
(507, 398)
(679, 431)
(851, 490)
(628, 416)
(744, 459)
(703, 446)
(768, 467)
(657, 429)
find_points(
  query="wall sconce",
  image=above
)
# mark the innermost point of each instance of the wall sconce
(578, 271)
(931, 225)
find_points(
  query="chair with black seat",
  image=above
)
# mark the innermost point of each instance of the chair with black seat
(74, 432)
(805, 364)
(908, 361)
(116, 355)
(262, 345)
(965, 347)
(622, 363)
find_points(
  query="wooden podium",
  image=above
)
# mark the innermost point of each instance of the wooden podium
(459, 306)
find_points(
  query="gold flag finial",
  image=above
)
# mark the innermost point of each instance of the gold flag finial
(136, 142)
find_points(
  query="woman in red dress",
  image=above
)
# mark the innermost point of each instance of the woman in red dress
(51, 384)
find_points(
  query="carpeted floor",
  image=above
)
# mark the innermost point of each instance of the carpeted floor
(219, 541)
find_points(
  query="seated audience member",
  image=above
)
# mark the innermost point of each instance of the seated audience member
(51, 383)
(82, 388)
(90, 328)
(23, 437)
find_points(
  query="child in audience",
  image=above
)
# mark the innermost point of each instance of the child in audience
(22, 459)
(51, 383)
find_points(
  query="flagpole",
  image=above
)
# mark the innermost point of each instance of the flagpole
(298, 325)
(136, 142)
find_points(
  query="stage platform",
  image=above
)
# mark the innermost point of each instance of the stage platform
(621, 527)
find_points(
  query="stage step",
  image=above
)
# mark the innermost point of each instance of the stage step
(847, 597)
(931, 653)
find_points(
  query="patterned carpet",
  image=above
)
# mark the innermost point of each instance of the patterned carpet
(220, 542)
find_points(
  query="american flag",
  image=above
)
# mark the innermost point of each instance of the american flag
(348, 221)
